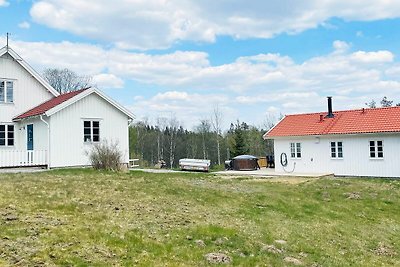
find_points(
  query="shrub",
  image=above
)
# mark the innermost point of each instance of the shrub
(106, 156)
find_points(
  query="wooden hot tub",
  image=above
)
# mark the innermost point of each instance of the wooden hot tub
(245, 163)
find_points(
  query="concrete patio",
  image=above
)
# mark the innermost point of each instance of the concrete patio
(269, 172)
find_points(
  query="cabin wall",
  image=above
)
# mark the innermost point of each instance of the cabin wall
(66, 131)
(28, 92)
(316, 156)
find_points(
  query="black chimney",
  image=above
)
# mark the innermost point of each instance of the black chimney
(330, 113)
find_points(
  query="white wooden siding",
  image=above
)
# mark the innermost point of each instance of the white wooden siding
(316, 156)
(28, 92)
(66, 132)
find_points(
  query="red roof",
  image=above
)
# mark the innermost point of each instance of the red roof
(369, 120)
(42, 108)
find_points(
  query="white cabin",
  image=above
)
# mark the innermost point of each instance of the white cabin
(39, 127)
(362, 142)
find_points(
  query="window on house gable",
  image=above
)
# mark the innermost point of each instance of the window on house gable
(295, 150)
(91, 131)
(6, 91)
(337, 150)
(376, 149)
(6, 135)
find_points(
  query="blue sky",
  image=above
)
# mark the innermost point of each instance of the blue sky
(183, 58)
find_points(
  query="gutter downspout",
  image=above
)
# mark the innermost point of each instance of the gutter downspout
(48, 141)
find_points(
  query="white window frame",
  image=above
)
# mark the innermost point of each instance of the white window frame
(91, 131)
(295, 148)
(6, 138)
(336, 150)
(375, 149)
(5, 81)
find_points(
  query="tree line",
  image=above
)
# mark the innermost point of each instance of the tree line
(167, 140)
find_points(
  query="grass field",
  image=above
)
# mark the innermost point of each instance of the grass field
(89, 218)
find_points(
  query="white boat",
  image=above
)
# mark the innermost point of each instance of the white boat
(194, 164)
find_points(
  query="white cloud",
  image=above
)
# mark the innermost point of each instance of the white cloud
(24, 25)
(373, 57)
(146, 24)
(106, 80)
(4, 3)
(340, 46)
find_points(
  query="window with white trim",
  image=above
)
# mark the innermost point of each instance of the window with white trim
(295, 150)
(6, 135)
(337, 150)
(91, 131)
(6, 91)
(376, 149)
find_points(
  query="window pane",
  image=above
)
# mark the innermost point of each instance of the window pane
(86, 124)
(2, 128)
(372, 154)
(87, 138)
(95, 138)
(333, 155)
(380, 148)
(95, 124)
(10, 92)
(371, 148)
(2, 141)
(2, 93)
(340, 154)
(372, 143)
(10, 135)
(340, 144)
(333, 144)
(298, 148)
(96, 131)
(379, 143)
(380, 154)
(86, 131)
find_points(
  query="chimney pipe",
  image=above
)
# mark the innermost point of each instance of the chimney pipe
(330, 112)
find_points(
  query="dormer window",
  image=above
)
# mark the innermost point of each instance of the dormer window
(6, 91)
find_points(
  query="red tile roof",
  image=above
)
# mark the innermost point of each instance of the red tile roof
(369, 120)
(42, 108)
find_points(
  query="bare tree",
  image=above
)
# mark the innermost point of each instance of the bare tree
(65, 80)
(173, 126)
(204, 129)
(216, 121)
(161, 125)
(386, 103)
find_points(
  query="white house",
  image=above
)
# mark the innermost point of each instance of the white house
(362, 142)
(40, 127)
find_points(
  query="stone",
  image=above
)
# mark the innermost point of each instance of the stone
(217, 258)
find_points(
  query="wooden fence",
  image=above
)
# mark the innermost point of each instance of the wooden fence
(17, 158)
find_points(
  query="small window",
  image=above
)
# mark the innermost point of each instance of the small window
(376, 149)
(10, 92)
(337, 150)
(6, 135)
(295, 150)
(91, 131)
(6, 91)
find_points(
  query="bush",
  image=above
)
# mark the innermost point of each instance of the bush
(106, 156)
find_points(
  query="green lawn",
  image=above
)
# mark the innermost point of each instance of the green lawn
(90, 218)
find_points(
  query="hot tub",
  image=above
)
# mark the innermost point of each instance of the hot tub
(245, 163)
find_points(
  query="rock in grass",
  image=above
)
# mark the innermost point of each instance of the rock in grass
(218, 258)
(200, 243)
(281, 242)
(272, 249)
(293, 261)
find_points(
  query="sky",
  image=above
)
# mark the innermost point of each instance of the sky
(253, 60)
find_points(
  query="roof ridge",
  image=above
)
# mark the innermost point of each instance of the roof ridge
(342, 111)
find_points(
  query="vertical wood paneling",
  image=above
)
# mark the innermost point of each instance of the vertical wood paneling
(356, 161)
(67, 146)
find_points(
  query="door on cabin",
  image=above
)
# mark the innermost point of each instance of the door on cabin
(29, 136)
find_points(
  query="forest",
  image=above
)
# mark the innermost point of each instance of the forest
(167, 140)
